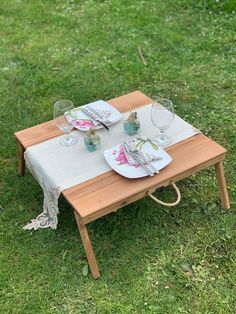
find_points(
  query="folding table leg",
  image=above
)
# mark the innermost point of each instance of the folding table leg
(88, 247)
(21, 160)
(220, 176)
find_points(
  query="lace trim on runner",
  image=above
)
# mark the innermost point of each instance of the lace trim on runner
(48, 218)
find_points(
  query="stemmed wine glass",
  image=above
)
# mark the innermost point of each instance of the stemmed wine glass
(162, 115)
(60, 108)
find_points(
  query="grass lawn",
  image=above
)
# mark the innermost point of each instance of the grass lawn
(87, 50)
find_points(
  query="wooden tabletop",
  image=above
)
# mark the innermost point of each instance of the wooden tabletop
(110, 191)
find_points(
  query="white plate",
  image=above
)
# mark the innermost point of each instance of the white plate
(116, 159)
(84, 122)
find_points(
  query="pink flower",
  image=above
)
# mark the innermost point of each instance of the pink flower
(121, 158)
(84, 123)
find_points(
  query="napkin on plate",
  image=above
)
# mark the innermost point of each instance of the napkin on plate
(100, 113)
(145, 157)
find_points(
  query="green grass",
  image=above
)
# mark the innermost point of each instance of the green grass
(86, 50)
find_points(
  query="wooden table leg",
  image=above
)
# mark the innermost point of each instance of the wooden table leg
(21, 160)
(88, 247)
(220, 176)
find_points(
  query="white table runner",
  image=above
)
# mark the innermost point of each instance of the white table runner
(56, 167)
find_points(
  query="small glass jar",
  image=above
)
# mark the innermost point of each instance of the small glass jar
(132, 125)
(92, 141)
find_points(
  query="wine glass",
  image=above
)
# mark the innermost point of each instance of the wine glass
(60, 108)
(162, 115)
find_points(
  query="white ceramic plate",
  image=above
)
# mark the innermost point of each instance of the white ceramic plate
(116, 159)
(84, 122)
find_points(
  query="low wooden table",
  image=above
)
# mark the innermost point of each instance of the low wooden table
(108, 192)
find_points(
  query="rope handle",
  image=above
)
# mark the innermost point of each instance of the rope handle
(167, 204)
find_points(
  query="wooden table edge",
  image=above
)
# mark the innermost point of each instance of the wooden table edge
(121, 203)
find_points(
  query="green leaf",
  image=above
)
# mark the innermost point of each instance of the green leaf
(154, 146)
(138, 144)
(195, 201)
(85, 270)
